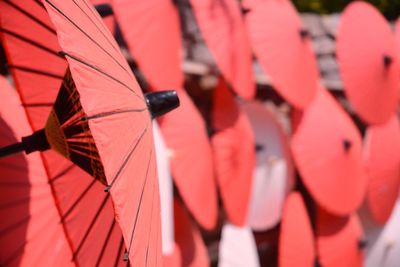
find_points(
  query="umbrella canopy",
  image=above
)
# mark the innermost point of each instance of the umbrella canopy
(30, 224)
(273, 173)
(283, 47)
(296, 243)
(368, 62)
(237, 247)
(152, 33)
(166, 192)
(191, 160)
(339, 240)
(223, 30)
(78, 199)
(89, 123)
(234, 153)
(189, 240)
(382, 162)
(327, 151)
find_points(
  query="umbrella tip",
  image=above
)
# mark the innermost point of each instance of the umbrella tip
(304, 33)
(362, 243)
(126, 256)
(107, 189)
(259, 147)
(387, 61)
(245, 10)
(346, 144)
(316, 263)
(162, 102)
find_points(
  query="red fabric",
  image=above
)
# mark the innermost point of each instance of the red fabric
(296, 243)
(332, 173)
(338, 240)
(372, 88)
(69, 184)
(382, 161)
(234, 153)
(222, 28)
(110, 20)
(189, 240)
(29, 219)
(152, 32)
(191, 160)
(124, 139)
(287, 58)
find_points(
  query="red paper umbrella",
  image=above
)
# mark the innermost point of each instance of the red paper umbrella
(221, 24)
(283, 47)
(191, 160)
(152, 32)
(189, 240)
(273, 174)
(105, 10)
(296, 243)
(382, 160)
(234, 153)
(368, 62)
(339, 240)
(101, 122)
(28, 214)
(327, 151)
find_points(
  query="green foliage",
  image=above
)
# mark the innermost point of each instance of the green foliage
(390, 8)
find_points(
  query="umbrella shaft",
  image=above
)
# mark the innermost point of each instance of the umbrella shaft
(11, 149)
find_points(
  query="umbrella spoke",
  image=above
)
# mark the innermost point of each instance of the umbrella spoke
(37, 105)
(29, 41)
(103, 248)
(86, 34)
(115, 112)
(100, 71)
(119, 252)
(30, 16)
(62, 173)
(92, 223)
(37, 71)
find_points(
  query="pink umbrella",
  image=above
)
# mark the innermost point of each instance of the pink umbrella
(296, 242)
(327, 151)
(273, 173)
(234, 153)
(221, 25)
(382, 162)
(368, 62)
(283, 47)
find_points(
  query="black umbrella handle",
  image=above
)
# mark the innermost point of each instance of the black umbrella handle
(11, 149)
(35, 142)
(162, 102)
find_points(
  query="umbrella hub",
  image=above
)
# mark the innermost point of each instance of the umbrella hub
(387, 61)
(162, 102)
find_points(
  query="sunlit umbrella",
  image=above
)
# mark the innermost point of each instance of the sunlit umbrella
(223, 30)
(234, 153)
(283, 47)
(382, 162)
(273, 173)
(188, 238)
(368, 62)
(296, 241)
(327, 151)
(237, 247)
(98, 108)
(340, 240)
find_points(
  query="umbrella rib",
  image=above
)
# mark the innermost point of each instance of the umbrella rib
(100, 71)
(111, 113)
(62, 173)
(66, 214)
(37, 71)
(140, 204)
(96, 24)
(103, 248)
(92, 223)
(86, 34)
(30, 16)
(14, 226)
(29, 41)
(126, 160)
(151, 219)
(121, 245)
(40, 4)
